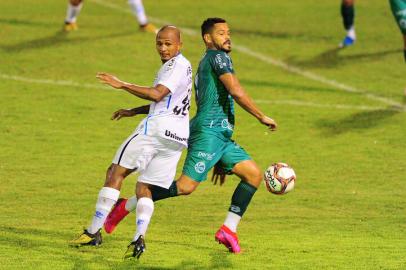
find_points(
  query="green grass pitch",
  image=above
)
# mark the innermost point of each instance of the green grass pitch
(341, 128)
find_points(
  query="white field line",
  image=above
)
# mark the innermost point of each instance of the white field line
(259, 101)
(270, 60)
(52, 82)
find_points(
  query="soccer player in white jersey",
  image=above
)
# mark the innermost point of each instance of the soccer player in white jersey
(154, 149)
(137, 8)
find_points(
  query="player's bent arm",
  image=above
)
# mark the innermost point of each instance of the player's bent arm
(141, 110)
(155, 94)
(235, 89)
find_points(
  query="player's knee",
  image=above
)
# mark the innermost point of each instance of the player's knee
(184, 189)
(348, 2)
(75, 2)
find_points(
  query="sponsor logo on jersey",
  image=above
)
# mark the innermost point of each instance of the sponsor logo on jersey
(200, 167)
(226, 124)
(174, 136)
(219, 61)
(206, 155)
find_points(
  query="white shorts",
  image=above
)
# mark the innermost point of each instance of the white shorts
(154, 158)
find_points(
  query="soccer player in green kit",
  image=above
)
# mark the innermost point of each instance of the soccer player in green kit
(398, 8)
(210, 144)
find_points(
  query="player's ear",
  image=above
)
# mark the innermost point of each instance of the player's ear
(207, 38)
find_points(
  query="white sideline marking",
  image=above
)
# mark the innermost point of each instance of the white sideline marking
(278, 63)
(259, 101)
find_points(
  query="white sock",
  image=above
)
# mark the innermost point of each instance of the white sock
(107, 198)
(131, 204)
(145, 208)
(72, 12)
(138, 9)
(232, 221)
(351, 33)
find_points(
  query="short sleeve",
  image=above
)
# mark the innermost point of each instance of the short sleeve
(221, 63)
(172, 75)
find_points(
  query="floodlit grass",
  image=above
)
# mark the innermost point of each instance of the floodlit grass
(348, 149)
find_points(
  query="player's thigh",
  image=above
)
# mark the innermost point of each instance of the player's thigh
(203, 153)
(232, 155)
(136, 152)
(161, 169)
(399, 12)
(236, 160)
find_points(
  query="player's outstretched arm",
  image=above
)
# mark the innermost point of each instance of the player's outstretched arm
(155, 94)
(235, 89)
(117, 115)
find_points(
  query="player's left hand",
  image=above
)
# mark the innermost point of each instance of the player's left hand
(269, 122)
(110, 80)
(219, 175)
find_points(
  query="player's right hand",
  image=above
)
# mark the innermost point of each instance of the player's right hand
(110, 80)
(117, 115)
(219, 175)
(269, 122)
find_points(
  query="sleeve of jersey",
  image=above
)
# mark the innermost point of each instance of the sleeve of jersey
(172, 76)
(221, 63)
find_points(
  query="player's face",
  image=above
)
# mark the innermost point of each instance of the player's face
(167, 45)
(220, 37)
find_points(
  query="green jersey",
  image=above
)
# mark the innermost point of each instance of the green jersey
(215, 106)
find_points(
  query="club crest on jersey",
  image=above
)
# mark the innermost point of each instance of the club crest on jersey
(170, 65)
(200, 167)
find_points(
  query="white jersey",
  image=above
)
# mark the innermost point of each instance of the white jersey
(169, 118)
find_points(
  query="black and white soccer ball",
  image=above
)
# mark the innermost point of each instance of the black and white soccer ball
(279, 178)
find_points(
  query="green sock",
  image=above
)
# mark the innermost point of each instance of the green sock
(241, 198)
(160, 193)
(404, 54)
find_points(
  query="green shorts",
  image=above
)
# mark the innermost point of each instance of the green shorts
(205, 150)
(399, 11)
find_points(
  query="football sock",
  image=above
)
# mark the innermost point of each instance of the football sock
(404, 54)
(348, 13)
(138, 9)
(232, 221)
(72, 12)
(160, 193)
(131, 204)
(145, 208)
(241, 198)
(107, 198)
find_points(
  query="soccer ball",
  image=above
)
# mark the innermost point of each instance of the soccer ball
(279, 178)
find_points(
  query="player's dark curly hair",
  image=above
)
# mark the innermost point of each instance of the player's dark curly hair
(208, 24)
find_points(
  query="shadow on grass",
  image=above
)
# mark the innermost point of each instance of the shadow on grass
(56, 39)
(40, 240)
(332, 58)
(18, 22)
(358, 121)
